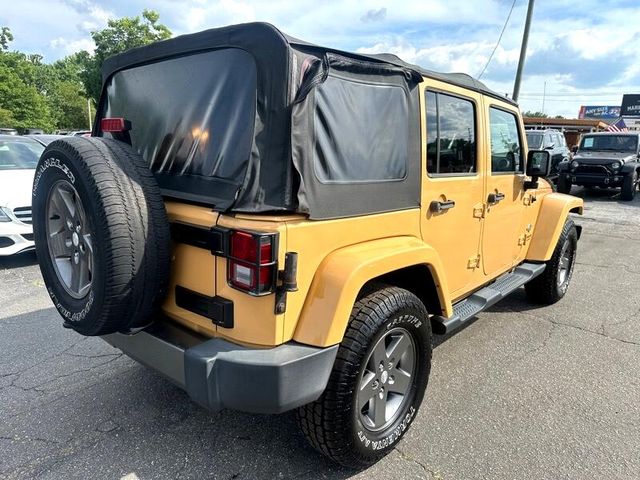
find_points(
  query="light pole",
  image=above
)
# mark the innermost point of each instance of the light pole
(89, 112)
(523, 51)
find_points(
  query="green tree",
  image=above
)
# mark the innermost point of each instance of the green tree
(120, 34)
(530, 113)
(66, 94)
(26, 105)
(6, 37)
(6, 118)
(68, 105)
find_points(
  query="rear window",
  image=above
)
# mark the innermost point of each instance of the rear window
(362, 132)
(191, 115)
(534, 140)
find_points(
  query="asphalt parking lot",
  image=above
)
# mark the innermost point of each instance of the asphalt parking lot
(522, 392)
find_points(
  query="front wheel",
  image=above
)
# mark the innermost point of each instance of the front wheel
(564, 184)
(377, 383)
(629, 186)
(552, 285)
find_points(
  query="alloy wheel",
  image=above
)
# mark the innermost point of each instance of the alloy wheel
(386, 381)
(69, 239)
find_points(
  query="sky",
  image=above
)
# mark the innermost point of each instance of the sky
(581, 52)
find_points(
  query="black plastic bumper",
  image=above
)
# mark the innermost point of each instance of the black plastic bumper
(595, 179)
(219, 374)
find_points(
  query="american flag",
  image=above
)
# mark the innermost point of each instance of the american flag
(619, 126)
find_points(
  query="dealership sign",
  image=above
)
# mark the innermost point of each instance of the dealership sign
(630, 106)
(599, 111)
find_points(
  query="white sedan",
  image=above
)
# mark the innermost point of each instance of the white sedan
(18, 159)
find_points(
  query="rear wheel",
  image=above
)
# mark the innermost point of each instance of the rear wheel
(377, 383)
(564, 184)
(552, 285)
(629, 186)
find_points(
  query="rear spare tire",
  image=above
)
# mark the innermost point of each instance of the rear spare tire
(101, 233)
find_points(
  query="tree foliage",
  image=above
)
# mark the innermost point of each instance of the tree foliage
(536, 114)
(6, 37)
(34, 94)
(20, 95)
(120, 34)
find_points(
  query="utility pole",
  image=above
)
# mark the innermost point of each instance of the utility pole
(89, 113)
(523, 51)
(544, 95)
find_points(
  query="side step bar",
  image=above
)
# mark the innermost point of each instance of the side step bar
(484, 298)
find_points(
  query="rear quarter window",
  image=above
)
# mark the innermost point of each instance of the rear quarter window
(361, 132)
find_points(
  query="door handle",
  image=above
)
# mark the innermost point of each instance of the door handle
(437, 206)
(495, 198)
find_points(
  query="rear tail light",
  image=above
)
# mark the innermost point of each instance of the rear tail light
(252, 265)
(114, 125)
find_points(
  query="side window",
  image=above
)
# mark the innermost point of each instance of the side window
(451, 134)
(506, 152)
(432, 132)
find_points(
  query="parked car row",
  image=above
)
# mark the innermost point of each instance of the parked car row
(602, 159)
(554, 142)
(19, 156)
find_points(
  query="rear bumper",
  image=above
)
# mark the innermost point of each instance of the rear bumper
(219, 374)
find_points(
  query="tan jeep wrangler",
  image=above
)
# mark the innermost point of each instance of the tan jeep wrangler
(274, 225)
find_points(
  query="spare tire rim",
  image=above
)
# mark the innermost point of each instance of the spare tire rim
(386, 380)
(69, 239)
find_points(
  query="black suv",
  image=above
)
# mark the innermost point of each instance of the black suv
(605, 159)
(554, 142)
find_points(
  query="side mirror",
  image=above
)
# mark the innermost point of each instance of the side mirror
(574, 149)
(538, 165)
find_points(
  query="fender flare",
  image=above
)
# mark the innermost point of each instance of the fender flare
(552, 216)
(629, 167)
(343, 273)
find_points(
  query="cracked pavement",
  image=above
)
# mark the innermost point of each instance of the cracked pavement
(522, 392)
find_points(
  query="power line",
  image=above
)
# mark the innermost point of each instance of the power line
(573, 94)
(551, 99)
(504, 27)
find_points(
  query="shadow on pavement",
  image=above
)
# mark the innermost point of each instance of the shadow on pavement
(604, 195)
(24, 259)
(515, 302)
(75, 407)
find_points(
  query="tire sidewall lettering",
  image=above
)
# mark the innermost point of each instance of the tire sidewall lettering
(404, 320)
(391, 438)
(68, 315)
(51, 162)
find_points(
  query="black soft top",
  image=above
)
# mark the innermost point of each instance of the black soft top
(260, 38)
(247, 119)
